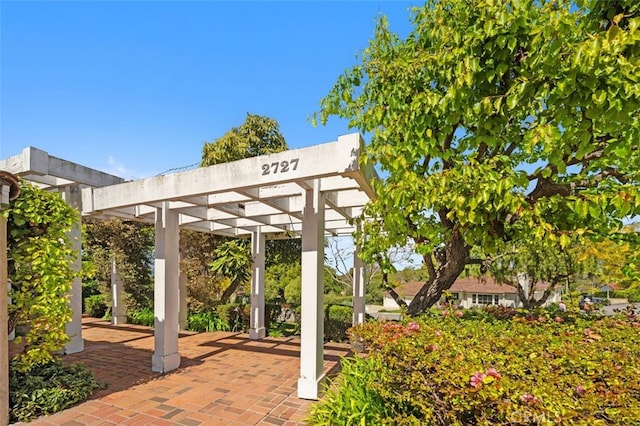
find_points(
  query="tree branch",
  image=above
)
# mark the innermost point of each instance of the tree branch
(547, 188)
(428, 262)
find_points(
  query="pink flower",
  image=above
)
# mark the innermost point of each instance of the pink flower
(412, 326)
(580, 390)
(459, 314)
(587, 332)
(529, 398)
(558, 319)
(438, 333)
(635, 324)
(476, 379)
(445, 313)
(494, 373)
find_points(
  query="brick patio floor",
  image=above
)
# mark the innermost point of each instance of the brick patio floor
(224, 379)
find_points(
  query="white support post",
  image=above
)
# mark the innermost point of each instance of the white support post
(4, 318)
(166, 357)
(257, 330)
(312, 327)
(358, 289)
(118, 311)
(73, 197)
(183, 313)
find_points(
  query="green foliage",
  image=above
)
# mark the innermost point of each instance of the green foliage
(232, 261)
(203, 285)
(338, 299)
(283, 329)
(612, 261)
(131, 245)
(207, 322)
(47, 388)
(258, 135)
(40, 259)
(143, 316)
(497, 121)
(445, 370)
(238, 316)
(351, 401)
(95, 306)
(337, 320)
(632, 294)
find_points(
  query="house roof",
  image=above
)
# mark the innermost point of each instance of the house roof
(479, 285)
(487, 285)
(610, 286)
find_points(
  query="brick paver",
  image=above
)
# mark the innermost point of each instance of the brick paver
(224, 379)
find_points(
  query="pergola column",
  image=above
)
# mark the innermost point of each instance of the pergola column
(257, 330)
(312, 323)
(183, 312)
(73, 197)
(358, 289)
(166, 291)
(4, 319)
(118, 311)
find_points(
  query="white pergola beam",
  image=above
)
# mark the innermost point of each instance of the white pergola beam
(33, 161)
(314, 162)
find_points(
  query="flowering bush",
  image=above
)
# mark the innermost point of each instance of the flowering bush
(447, 370)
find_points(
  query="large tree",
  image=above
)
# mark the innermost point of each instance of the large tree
(231, 259)
(258, 135)
(497, 121)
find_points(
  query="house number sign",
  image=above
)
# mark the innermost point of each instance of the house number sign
(280, 167)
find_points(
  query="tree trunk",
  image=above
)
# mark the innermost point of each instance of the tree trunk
(456, 257)
(229, 291)
(399, 300)
(531, 302)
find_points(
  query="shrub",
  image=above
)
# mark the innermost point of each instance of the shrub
(144, 316)
(337, 299)
(236, 315)
(272, 312)
(445, 370)
(48, 388)
(95, 306)
(352, 400)
(283, 329)
(337, 320)
(207, 322)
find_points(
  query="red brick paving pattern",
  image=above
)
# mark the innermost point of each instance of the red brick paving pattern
(224, 379)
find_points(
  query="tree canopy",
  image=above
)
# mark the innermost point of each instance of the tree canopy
(258, 135)
(497, 121)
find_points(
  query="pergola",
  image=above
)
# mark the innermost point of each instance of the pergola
(309, 193)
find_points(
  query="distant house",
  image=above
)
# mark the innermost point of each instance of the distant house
(472, 291)
(606, 288)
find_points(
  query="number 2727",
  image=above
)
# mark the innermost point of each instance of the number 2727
(280, 167)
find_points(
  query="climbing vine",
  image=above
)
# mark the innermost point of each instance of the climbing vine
(40, 258)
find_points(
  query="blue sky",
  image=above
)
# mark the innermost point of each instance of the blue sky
(136, 88)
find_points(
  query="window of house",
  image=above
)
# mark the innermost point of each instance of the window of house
(485, 299)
